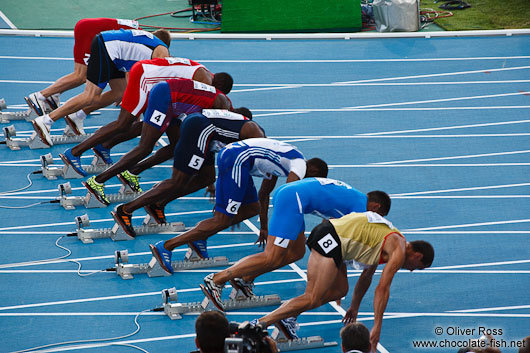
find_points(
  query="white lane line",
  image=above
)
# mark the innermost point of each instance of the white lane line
(457, 157)
(452, 127)
(454, 73)
(96, 221)
(438, 100)
(324, 322)
(499, 272)
(7, 20)
(339, 84)
(461, 189)
(310, 61)
(499, 263)
(516, 307)
(467, 232)
(434, 197)
(102, 257)
(429, 165)
(515, 221)
(126, 296)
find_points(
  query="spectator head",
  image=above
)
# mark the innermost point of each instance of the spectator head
(355, 337)
(211, 328)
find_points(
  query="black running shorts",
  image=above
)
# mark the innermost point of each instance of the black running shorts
(101, 69)
(324, 240)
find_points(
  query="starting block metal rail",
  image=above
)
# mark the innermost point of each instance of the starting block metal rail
(237, 301)
(67, 172)
(33, 142)
(6, 117)
(153, 268)
(116, 233)
(125, 194)
(310, 342)
(303, 343)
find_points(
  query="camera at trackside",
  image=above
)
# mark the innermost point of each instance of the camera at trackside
(248, 338)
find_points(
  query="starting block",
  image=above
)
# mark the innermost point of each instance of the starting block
(125, 194)
(33, 142)
(6, 117)
(67, 172)
(237, 301)
(116, 233)
(301, 343)
(153, 268)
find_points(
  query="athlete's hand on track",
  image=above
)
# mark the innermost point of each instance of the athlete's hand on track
(374, 338)
(210, 192)
(351, 316)
(262, 239)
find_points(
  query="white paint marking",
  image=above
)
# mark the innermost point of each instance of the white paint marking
(458, 157)
(310, 61)
(7, 21)
(461, 189)
(472, 225)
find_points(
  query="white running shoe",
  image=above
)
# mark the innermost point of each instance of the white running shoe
(75, 124)
(42, 130)
(37, 105)
(52, 103)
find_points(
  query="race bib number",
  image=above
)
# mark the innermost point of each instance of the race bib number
(327, 243)
(196, 162)
(222, 114)
(281, 242)
(203, 87)
(128, 23)
(157, 118)
(184, 61)
(327, 181)
(377, 218)
(233, 206)
(136, 32)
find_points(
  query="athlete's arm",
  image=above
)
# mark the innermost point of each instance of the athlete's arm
(362, 285)
(395, 247)
(203, 75)
(292, 177)
(264, 194)
(250, 130)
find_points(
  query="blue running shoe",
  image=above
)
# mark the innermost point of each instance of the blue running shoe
(199, 247)
(73, 161)
(103, 153)
(162, 255)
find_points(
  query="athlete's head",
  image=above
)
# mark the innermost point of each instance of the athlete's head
(163, 35)
(419, 254)
(378, 202)
(316, 167)
(355, 336)
(243, 111)
(223, 82)
(211, 328)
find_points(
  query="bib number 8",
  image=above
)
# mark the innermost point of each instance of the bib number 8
(327, 243)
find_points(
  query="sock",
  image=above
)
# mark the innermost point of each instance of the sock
(39, 96)
(47, 120)
(80, 115)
